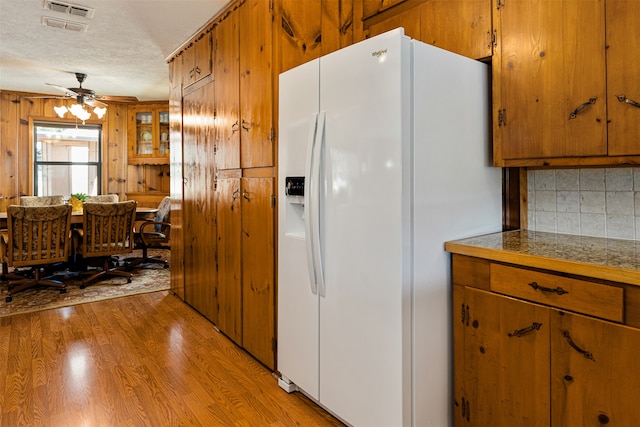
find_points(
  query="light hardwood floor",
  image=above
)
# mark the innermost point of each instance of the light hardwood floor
(144, 360)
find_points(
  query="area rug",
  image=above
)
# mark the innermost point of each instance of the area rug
(146, 278)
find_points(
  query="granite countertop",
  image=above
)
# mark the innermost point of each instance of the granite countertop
(602, 258)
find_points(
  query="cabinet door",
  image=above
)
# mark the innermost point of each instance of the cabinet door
(459, 26)
(594, 373)
(227, 71)
(303, 37)
(506, 362)
(197, 60)
(229, 258)
(198, 203)
(177, 235)
(623, 69)
(548, 67)
(256, 89)
(258, 275)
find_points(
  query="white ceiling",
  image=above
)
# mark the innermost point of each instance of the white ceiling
(123, 51)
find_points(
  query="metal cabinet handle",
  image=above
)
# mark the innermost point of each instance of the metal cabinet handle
(245, 194)
(623, 98)
(245, 125)
(557, 290)
(575, 112)
(235, 194)
(535, 326)
(234, 127)
(585, 353)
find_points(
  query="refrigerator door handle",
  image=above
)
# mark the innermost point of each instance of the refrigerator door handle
(309, 213)
(317, 159)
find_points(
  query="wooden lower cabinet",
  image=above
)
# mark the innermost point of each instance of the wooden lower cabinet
(594, 371)
(246, 276)
(519, 363)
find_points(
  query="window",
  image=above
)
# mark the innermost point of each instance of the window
(67, 158)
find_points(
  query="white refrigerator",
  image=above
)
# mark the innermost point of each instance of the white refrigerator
(384, 154)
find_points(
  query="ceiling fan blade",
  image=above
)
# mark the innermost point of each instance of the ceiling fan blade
(94, 102)
(68, 91)
(117, 98)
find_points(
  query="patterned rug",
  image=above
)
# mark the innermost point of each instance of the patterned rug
(146, 278)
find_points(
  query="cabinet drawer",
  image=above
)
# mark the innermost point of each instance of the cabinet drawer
(606, 302)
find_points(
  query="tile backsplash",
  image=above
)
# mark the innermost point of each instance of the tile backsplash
(591, 202)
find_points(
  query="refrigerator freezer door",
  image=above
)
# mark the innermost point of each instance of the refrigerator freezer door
(298, 341)
(365, 315)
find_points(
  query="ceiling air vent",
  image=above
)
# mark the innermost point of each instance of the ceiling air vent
(68, 8)
(64, 24)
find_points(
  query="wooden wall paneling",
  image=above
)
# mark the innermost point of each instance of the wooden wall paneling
(256, 91)
(9, 158)
(299, 32)
(258, 268)
(337, 25)
(229, 261)
(227, 99)
(114, 161)
(199, 202)
(29, 107)
(176, 178)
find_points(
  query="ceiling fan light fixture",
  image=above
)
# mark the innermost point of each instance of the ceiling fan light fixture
(60, 111)
(100, 112)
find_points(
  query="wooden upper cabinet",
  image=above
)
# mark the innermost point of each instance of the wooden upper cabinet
(558, 70)
(303, 37)
(256, 88)
(460, 26)
(227, 97)
(148, 133)
(623, 83)
(374, 7)
(197, 59)
(550, 76)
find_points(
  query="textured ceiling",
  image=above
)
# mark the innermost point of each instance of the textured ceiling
(123, 52)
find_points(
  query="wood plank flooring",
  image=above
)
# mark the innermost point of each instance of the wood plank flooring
(143, 360)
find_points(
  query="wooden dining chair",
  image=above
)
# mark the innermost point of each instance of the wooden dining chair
(41, 200)
(37, 237)
(107, 230)
(103, 198)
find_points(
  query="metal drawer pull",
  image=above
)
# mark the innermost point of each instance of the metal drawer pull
(557, 290)
(623, 98)
(585, 353)
(535, 326)
(575, 112)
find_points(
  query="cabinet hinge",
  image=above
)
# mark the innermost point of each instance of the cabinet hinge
(273, 201)
(500, 4)
(272, 135)
(465, 410)
(494, 39)
(502, 117)
(464, 314)
(215, 148)
(270, 5)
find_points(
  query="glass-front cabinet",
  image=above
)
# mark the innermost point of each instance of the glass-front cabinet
(148, 133)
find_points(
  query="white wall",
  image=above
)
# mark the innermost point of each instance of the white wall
(603, 202)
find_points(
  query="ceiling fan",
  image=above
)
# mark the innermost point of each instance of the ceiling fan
(85, 96)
